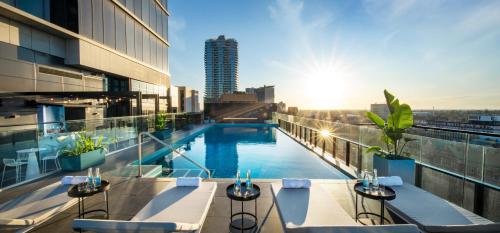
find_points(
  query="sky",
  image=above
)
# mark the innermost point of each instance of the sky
(327, 54)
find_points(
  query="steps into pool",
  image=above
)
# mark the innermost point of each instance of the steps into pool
(174, 173)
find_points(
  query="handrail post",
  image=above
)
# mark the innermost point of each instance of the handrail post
(139, 140)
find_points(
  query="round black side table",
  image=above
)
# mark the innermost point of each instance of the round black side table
(74, 192)
(383, 194)
(243, 195)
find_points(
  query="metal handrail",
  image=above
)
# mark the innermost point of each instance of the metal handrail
(168, 146)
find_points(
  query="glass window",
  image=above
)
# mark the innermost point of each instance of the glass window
(130, 5)
(165, 27)
(145, 47)
(152, 15)
(159, 13)
(35, 8)
(152, 47)
(109, 23)
(97, 29)
(86, 18)
(145, 11)
(138, 9)
(159, 53)
(138, 41)
(120, 30)
(130, 35)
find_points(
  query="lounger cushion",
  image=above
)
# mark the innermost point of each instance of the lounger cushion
(300, 209)
(420, 207)
(406, 228)
(173, 209)
(110, 226)
(36, 206)
(482, 228)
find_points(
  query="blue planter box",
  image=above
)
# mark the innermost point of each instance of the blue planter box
(403, 167)
(85, 160)
(163, 134)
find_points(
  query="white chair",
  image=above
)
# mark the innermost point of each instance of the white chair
(11, 163)
(51, 157)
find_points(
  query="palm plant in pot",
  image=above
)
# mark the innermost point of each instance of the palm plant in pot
(161, 131)
(83, 153)
(393, 161)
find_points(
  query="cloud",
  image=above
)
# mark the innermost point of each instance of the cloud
(482, 19)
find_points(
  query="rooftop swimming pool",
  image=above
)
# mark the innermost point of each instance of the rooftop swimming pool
(265, 150)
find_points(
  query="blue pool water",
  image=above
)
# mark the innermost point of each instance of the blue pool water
(265, 150)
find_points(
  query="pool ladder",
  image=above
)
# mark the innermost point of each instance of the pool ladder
(169, 146)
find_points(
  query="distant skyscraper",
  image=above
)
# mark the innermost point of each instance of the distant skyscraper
(221, 67)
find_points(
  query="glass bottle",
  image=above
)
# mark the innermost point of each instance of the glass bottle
(249, 181)
(90, 180)
(237, 184)
(366, 183)
(97, 178)
(375, 180)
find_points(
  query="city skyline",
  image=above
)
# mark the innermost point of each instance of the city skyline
(324, 54)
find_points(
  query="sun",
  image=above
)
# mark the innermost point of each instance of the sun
(325, 87)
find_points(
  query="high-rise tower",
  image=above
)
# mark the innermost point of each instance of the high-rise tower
(221, 67)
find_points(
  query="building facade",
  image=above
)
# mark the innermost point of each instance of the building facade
(87, 47)
(264, 94)
(184, 100)
(221, 67)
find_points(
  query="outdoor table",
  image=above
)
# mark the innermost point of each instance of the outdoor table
(81, 194)
(33, 168)
(382, 194)
(243, 195)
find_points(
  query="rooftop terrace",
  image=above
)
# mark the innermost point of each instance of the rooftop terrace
(456, 176)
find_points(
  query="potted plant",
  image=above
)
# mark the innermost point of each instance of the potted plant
(83, 153)
(161, 131)
(393, 162)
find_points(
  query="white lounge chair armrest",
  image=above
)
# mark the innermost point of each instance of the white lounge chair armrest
(131, 226)
(16, 222)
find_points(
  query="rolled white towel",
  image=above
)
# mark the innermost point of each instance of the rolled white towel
(390, 181)
(73, 180)
(188, 181)
(296, 183)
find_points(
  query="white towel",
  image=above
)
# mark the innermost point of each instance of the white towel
(188, 181)
(73, 180)
(390, 181)
(296, 183)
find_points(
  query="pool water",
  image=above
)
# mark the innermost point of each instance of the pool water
(264, 150)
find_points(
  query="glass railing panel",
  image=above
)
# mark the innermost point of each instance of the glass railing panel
(443, 185)
(340, 149)
(492, 166)
(491, 208)
(474, 161)
(445, 154)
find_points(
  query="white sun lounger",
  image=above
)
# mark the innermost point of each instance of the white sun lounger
(314, 210)
(174, 209)
(35, 207)
(433, 214)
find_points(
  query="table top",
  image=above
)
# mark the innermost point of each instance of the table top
(73, 190)
(383, 193)
(244, 194)
(31, 150)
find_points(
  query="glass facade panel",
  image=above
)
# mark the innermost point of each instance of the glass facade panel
(165, 26)
(145, 11)
(146, 47)
(121, 40)
(130, 35)
(152, 48)
(35, 8)
(85, 18)
(152, 14)
(138, 8)
(159, 28)
(109, 23)
(138, 42)
(97, 27)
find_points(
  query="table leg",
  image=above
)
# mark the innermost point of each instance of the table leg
(79, 208)
(106, 198)
(356, 207)
(256, 220)
(382, 212)
(242, 217)
(83, 208)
